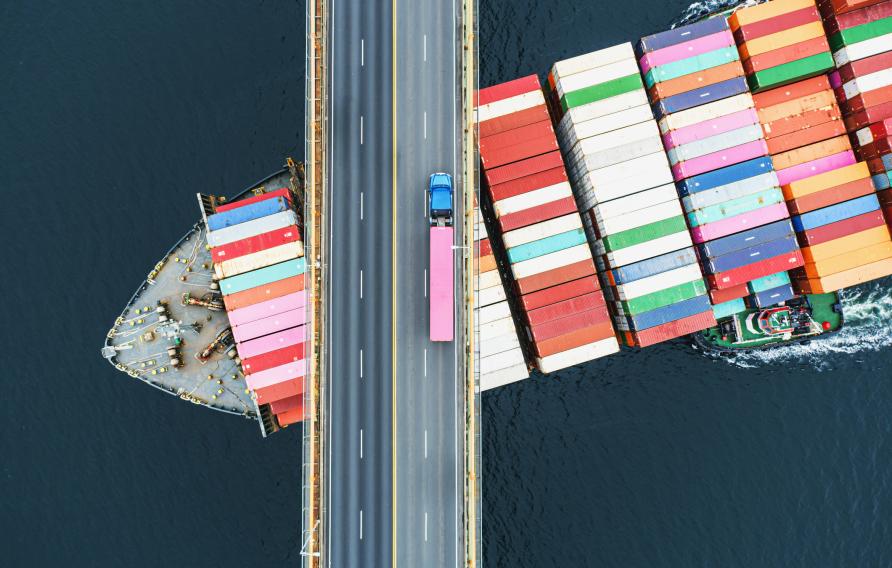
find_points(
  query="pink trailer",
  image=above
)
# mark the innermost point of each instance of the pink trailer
(268, 308)
(277, 375)
(268, 325)
(271, 342)
(442, 296)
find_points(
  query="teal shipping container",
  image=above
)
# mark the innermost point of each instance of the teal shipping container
(768, 282)
(263, 276)
(545, 246)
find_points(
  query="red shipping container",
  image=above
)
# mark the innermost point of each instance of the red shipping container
(515, 136)
(561, 326)
(560, 293)
(538, 214)
(280, 391)
(523, 149)
(791, 92)
(862, 101)
(876, 166)
(879, 147)
(524, 168)
(782, 55)
(776, 24)
(290, 416)
(272, 359)
(528, 183)
(671, 330)
(806, 136)
(556, 276)
(829, 7)
(256, 243)
(836, 22)
(566, 308)
(512, 121)
(885, 198)
(830, 196)
(485, 247)
(839, 229)
(253, 296)
(744, 274)
(507, 90)
(286, 404)
(803, 121)
(728, 294)
(577, 338)
(881, 129)
(283, 192)
(857, 121)
(862, 67)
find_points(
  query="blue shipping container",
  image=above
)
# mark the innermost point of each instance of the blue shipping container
(728, 192)
(547, 245)
(746, 239)
(247, 213)
(682, 34)
(655, 265)
(887, 161)
(773, 296)
(701, 96)
(749, 255)
(881, 181)
(835, 213)
(769, 282)
(672, 312)
(724, 176)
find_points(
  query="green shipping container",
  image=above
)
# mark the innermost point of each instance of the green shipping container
(768, 282)
(664, 297)
(545, 246)
(690, 65)
(730, 308)
(713, 213)
(601, 91)
(263, 276)
(790, 72)
(863, 32)
(644, 233)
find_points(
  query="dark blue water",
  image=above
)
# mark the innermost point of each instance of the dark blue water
(113, 116)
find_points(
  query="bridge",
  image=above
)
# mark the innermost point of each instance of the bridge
(390, 453)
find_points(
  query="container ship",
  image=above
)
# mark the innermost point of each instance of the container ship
(218, 321)
(721, 182)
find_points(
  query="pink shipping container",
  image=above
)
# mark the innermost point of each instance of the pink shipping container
(717, 160)
(268, 308)
(686, 49)
(271, 342)
(277, 375)
(268, 325)
(815, 167)
(709, 128)
(742, 222)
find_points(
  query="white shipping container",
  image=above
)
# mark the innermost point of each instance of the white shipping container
(636, 201)
(639, 218)
(706, 112)
(501, 361)
(609, 123)
(251, 228)
(492, 345)
(657, 282)
(492, 313)
(541, 230)
(497, 327)
(509, 106)
(488, 279)
(603, 107)
(653, 163)
(734, 190)
(550, 261)
(715, 143)
(577, 355)
(607, 191)
(869, 82)
(619, 154)
(650, 249)
(491, 295)
(597, 76)
(533, 198)
(591, 60)
(862, 49)
(616, 138)
(503, 377)
(864, 136)
(259, 259)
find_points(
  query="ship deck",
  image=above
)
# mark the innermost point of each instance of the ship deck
(138, 342)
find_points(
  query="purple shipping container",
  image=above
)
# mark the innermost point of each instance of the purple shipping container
(701, 96)
(751, 254)
(685, 33)
(748, 220)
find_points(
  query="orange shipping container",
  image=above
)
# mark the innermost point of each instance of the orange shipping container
(801, 121)
(811, 152)
(781, 39)
(779, 144)
(486, 263)
(696, 80)
(836, 194)
(846, 261)
(786, 54)
(792, 91)
(259, 294)
(574, 339)
(826, 180)
(761, 12)
(845, 244)
(794, 106)
(846, 278)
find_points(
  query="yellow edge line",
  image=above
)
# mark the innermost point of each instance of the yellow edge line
(393, 285)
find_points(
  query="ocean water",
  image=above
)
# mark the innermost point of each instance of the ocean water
(115, 114)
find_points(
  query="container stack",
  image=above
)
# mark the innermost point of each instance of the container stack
(781, 42)
(540, 243)
(719, 157)
(830, 196)
(623, 186)
(501, 358)
(258, 259)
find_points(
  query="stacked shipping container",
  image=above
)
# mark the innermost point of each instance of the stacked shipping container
(730, 193)
(258, 258)
(623, 187)
(539, 229)
(781, 42)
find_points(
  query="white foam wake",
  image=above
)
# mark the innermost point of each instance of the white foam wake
(699, 10)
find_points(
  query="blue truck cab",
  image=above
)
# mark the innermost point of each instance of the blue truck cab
(439, 205)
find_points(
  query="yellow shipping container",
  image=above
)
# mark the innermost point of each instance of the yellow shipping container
(826, 180)
(781, 39)
(845, 279)
(846, 261)
(824, 251)
(767, 10)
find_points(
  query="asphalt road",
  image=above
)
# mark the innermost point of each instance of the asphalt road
(367, 458)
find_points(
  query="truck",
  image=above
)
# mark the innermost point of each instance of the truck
(442, 296)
